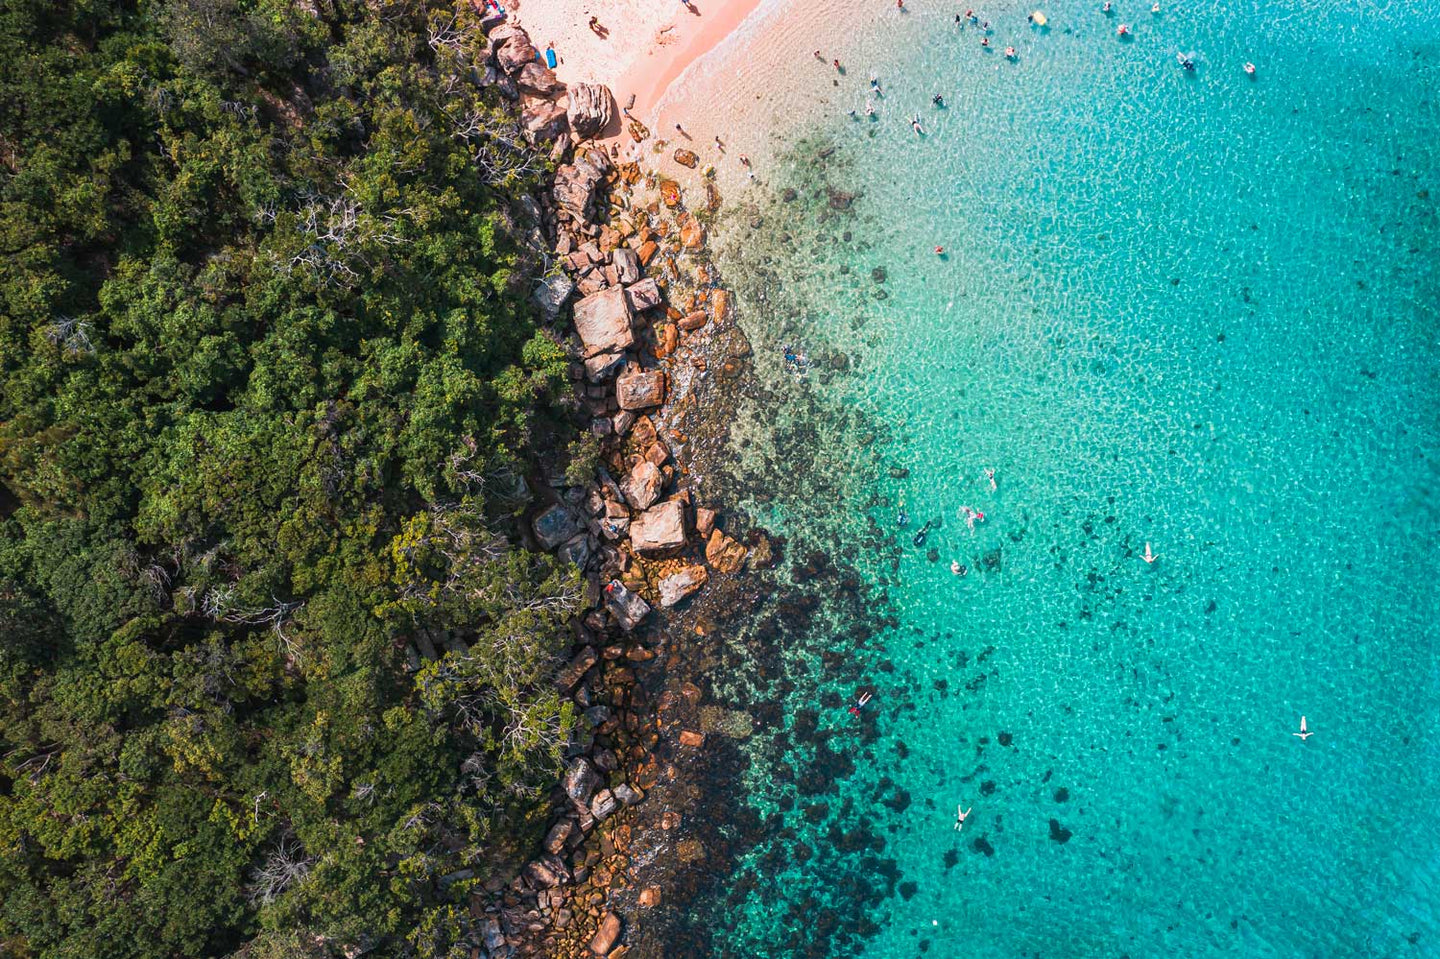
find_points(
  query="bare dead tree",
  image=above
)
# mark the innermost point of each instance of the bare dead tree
(70, 334)
(286, 865)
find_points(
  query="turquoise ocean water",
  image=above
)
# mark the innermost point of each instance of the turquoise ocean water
(1193, 309)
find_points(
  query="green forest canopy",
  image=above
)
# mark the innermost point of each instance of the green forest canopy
(268, 382)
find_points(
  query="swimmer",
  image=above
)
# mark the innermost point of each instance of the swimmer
(1009, 53)
(958, 568)
(869, 108)
(985, 42)
(957, 18)
(859, 704)
(915, 125)
(837, 66)
(875, 85)
(919, 539)
(1155, 8)
(1304, 733)
(819, 56)
(939, 251)
(900, 5)
(1149, 557)
(1123, 30)
(1185, 62)
(990, 475)
(960, 817)
(744, 160)
(1106, 8)
(903, 520)
(720, 144)
(1250, 68)
(938, 100)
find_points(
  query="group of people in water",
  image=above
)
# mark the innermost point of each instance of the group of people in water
(969, 514)
(1187, 61)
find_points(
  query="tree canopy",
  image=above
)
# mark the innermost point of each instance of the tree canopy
(268, 385)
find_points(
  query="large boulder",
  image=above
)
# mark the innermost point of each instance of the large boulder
(644, 295)
(644, 485)
(575, 183)
(606, 936)
(542, 119)
(555, 526)
(600, 368)
(627, 264)
(659, 530)
(535, 77)
(603, 322)
(590, 108)
(723, 553)
(627, 607)
(552, 293)
(574, 670)
(580, 781)
(515, 52)
(677, 586)
(640, 389)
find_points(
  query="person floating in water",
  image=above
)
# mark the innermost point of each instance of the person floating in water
(869, 108)
(990, 475)
(938, 100)
(958, 568)
(859, 704)
(985, 42)
(1187, 62)
(1123, 30)
(1106, 8)
(960, 817)
(1148, 556)
(1304, 733)
(915, 125)
(903, 520)
(1249, 69)
(1010, 53)
(919, 539)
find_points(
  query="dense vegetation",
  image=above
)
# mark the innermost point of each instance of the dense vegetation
(268, 383)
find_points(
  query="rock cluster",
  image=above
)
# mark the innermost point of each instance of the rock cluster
(636, 531)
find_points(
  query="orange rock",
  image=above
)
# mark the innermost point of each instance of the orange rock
(669, 339)
(650, 896)
(647, 252)
(693, 322)
(692, 234)
(670, 192)
(691, 738)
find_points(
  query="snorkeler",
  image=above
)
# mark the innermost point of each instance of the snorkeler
(859, 704)
(938, 100)
(903, 520)
(958, 568)
(919, 539)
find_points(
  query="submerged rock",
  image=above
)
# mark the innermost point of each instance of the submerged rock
(723, 553)
(607, 935)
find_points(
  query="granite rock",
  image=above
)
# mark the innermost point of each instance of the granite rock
(644, 295)
(644, 485)
(659, 530)
(640, 389)
(554, 526)
(677, 586)
(603, 321)
(590, 108)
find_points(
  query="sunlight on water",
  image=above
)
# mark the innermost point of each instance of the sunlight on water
(1185, 308)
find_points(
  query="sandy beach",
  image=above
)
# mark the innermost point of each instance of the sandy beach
(637, 49)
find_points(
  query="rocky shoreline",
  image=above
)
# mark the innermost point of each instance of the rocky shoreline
(647, 322)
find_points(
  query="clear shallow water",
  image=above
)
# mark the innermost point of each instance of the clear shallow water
(1192, 310)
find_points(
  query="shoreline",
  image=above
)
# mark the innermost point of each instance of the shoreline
(644, 50)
